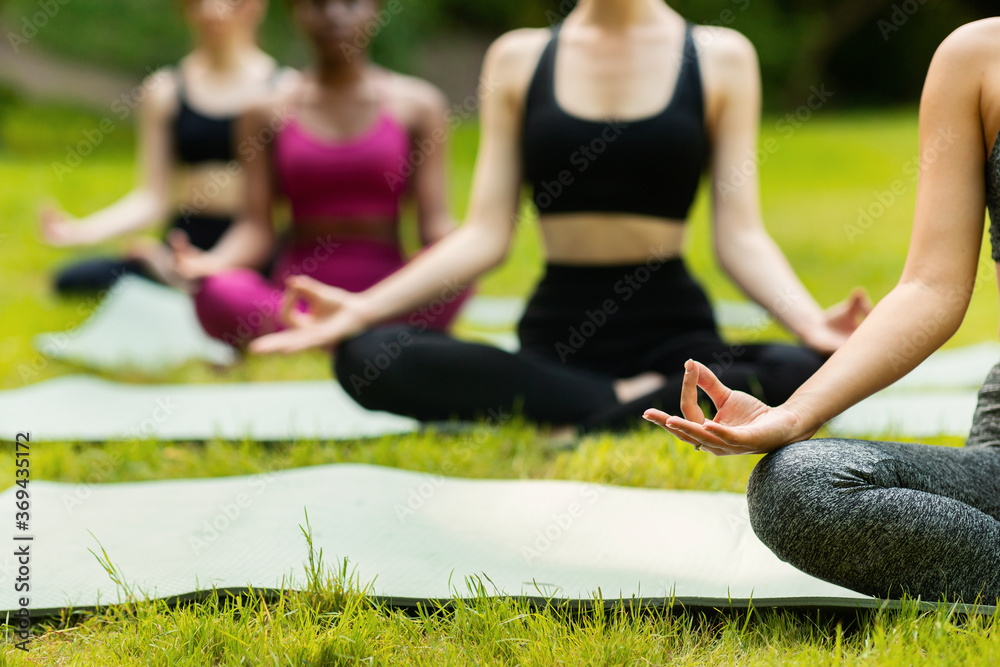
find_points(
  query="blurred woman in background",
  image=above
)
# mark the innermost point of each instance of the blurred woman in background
(188, 171)
(612, 117)
(345, 148)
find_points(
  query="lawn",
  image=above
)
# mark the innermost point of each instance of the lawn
(814, 182)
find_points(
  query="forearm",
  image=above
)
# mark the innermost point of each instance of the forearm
(904, 329)
(136, 211)
(452, 264)
(755, 262)
(247, 243)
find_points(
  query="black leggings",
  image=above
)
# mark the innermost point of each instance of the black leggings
(584, 328)
(100, 273)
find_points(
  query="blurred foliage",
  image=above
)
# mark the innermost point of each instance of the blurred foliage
(867, 51)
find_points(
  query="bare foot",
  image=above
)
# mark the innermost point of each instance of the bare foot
(629, 389)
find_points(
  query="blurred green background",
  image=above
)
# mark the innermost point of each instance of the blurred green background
(869, 51)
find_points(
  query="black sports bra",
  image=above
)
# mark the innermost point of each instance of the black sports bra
(649, 166)
(993, 197)
(198, 137)
(202, 138)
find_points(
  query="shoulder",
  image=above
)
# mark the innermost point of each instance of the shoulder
(273, 112)
(160, 89)
(286, 79)
(420, 95)
(511, 59)
(972, 45)
(724, 49)
(966, 60)
(516, 48)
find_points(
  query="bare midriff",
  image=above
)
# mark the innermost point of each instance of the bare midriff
(213, 189)
(608, 239)
(371, 229)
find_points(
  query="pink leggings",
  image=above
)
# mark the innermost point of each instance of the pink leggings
(239, 305)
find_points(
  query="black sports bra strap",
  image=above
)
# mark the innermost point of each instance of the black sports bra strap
(541, 90)
(543, 83)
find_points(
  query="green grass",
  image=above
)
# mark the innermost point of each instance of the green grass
(812, 186)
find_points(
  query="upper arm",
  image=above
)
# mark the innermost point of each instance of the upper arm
(496, 182)
(154, 141)
(951, 200)
(732, 80)
(430, 178)
(254, 137)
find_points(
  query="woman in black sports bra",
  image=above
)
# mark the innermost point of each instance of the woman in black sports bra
(612, 117)
(188, 170)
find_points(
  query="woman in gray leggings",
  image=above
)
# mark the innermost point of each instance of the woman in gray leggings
(889, 518)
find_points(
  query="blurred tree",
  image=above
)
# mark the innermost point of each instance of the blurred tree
(868, 51)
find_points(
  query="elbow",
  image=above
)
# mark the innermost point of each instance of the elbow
(737, 247)
(155, 205)
(486, 243)
(948, 302)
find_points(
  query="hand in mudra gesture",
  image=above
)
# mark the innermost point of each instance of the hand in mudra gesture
(331, 315)
(742, 424)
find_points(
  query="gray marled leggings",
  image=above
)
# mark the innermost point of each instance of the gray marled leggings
(886, 518)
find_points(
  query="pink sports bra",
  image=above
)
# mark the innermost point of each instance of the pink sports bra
(360, 177)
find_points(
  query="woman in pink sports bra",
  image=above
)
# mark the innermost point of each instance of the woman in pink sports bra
(342, 149)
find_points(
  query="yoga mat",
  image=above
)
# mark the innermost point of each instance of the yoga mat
(937, 398)
(493, 312)
(411, 536)
(908, 413)
(954, 368)
(82, 408)
(141, 325)
(740, 315)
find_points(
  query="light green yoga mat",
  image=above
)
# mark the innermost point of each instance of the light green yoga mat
(141, 326)
(83, 408)
(411, 536)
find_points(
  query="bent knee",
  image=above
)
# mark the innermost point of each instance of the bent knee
(367, 366)
(794, 491)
